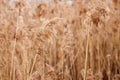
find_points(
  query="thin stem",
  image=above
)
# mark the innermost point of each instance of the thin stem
(33, 64)
(86, 59)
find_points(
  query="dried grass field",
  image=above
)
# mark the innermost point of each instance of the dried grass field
(59, 39)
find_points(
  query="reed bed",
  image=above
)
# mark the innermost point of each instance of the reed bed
(59, 39)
